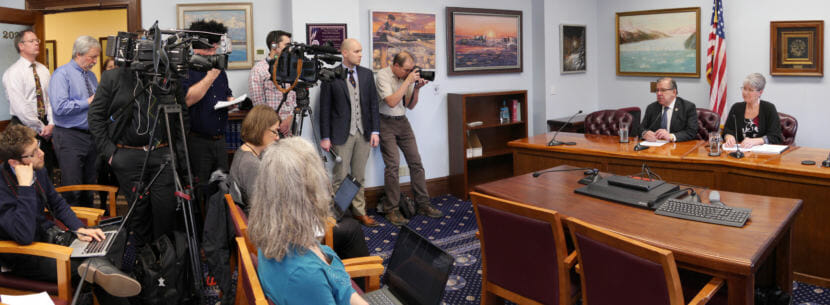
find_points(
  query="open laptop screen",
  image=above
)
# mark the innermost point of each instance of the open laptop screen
(418, 270)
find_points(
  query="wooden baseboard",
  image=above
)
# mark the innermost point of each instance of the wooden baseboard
(811, 279)
(435, 187)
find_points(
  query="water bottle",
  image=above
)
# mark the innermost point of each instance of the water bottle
(504, 115)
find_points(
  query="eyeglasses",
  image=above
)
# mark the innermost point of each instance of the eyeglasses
(661, 90)
(748, 89)
(31, 41)
(276, 133)
(34, 153)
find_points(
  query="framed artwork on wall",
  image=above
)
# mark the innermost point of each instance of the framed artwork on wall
(572, 47)
(393, 32)
(322, 33)
(481, 41)
(50, 48)
(797, 48)
(102, 59)
(659, 42)
(236, 16)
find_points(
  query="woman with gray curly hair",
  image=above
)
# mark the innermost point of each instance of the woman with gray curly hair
(289, 206)
(753, 121)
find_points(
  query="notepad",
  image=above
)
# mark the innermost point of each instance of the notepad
(761, 149)
(653, 143)
(224, 104)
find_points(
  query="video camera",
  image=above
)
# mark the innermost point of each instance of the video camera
(427, 75)
(312, 69)
(170, 57)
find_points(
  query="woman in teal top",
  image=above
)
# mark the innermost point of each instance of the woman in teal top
(290, 199)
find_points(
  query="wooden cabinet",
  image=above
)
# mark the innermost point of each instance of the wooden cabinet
(496, 160)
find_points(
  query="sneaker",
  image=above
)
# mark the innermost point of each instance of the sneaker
(396, 218)
(429, 211)
(105, 275)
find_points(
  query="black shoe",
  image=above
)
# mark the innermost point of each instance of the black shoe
(396, 218)
(429, 211)
(105, 275)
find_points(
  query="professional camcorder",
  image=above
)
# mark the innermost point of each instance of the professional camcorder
(427, 75)
(312, 60)
(171, 56)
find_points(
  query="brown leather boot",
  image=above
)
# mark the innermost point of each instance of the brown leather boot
(366, 220)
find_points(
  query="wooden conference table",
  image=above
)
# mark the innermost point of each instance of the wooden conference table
(779, 175)
(733, 254)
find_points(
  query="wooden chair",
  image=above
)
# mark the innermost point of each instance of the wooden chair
(524, 257)
(614, 268)
(248, 288)
(369, 268)
(111, 190)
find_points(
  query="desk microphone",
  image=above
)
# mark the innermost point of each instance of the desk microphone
(593, 172)
(826, 163)
(737, 154)
(554, 142)
(639, 146)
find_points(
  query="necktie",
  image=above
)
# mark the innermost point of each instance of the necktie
(664, 122)
(86, 82)
(351, 78)
(41, 108)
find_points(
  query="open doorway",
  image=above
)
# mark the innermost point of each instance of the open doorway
(63, 28)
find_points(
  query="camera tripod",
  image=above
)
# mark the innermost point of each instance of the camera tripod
(301, 111)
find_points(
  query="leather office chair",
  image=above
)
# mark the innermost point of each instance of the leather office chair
(607, 122)
(111, 190)
(707, 121)
(533, 269)
(634, 128)
(613, 268)
(789, 126)
(368, 268)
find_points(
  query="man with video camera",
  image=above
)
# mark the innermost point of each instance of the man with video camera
(262, 89)
(399, 86)
(206, 142)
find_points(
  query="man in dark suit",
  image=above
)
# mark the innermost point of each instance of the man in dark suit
(670, 118)
(350, 122)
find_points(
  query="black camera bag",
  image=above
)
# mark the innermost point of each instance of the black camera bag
(161, 268)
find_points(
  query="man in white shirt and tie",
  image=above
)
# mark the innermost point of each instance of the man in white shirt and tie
(670, 118)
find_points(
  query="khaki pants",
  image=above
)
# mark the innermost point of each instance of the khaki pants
(397, 133)
(355, 154)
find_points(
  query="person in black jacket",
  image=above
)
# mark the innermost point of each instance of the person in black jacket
(121, 128)
(670, 118)
(753, 121)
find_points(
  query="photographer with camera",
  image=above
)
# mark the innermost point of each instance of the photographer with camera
(262, 89)
(399, 86)
(206, 141)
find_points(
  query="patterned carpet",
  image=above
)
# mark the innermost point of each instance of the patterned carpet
(455, 232)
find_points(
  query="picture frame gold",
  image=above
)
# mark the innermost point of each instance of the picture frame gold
(664, 42)
(797, 48)
(238, 17)
(484, 41)
(50, 55)
(102, 58)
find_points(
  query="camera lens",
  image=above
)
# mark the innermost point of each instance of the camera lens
(428, 75)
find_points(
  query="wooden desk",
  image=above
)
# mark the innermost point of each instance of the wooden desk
(780, 175)
(733, 254)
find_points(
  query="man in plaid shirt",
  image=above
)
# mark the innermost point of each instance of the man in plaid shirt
(263, 91)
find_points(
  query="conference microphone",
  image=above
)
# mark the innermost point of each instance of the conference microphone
(591, 173)
(826, 163)
(737, 154)
(554, 142)
(336, 156)
(640, 147)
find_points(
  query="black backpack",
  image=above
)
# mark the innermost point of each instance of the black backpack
(162, 270)
(406, 205)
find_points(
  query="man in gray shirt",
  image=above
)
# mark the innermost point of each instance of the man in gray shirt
(398, 86)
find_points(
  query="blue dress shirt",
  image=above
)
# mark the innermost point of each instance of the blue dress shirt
(305, 279)
(68, 95)
(203, 118)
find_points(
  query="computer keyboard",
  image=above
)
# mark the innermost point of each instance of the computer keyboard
(97, 246)
(377, 297)
(722, 215)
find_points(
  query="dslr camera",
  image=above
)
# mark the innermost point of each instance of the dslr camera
(425, 74)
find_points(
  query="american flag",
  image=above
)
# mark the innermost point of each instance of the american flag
(716, 61)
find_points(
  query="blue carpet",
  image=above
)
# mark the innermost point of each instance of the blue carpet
(455, 233)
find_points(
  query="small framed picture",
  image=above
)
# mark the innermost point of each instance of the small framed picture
(572, 48)
(238, 17)
(322, 33)
(51, 56)
(797, 48)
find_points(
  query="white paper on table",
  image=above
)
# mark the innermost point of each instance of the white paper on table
(762, 149)
(27, 299)
(653, 143)
(235, 101)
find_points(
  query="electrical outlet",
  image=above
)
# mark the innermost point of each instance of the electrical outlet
(403, 171)
(436, 90)
(552, 90)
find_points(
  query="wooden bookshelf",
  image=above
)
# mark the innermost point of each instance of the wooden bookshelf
(496, 160)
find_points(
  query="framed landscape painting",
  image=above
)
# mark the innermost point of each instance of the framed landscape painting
(659, 42)
(483, 41)
(572, 48)
(236, 16)
(797, 48)
(393, 32)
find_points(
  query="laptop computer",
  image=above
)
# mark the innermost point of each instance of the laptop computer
(416, 275)
(92, 248)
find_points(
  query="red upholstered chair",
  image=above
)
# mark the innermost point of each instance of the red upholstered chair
(607, 122)
(707, 121)
(619, 270)
(789, 126)
(523, 253)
